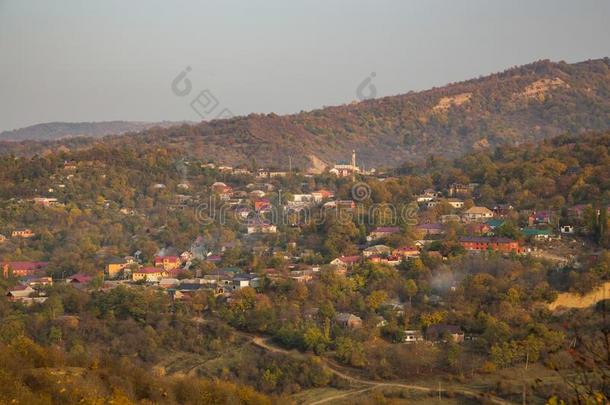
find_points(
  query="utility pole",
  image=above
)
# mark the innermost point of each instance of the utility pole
(289, 164)
(439, 392)
(527, 359)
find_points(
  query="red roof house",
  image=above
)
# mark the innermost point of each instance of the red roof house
(24, 269)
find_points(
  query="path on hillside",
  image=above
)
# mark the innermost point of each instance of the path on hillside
(263, 343)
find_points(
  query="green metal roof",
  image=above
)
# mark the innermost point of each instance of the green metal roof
(536, 232)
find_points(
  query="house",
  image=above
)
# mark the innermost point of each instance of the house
(390, 260)
(430, 229)
(566, 229)
(427, 195)
(44, 201)
(348, 320)
(503, 210)
(262, 205)
(152, 274)
(246, 280)
(23, 233)
(301, 276)
(459, 189)
(221, 188)
(262, 173)
(477, 228)
(242, 171)
(169, 282)
(443, 332)
(540, 217)
(383, 232)
(115, 266)
(477, 214)
(406, 252)
(38, 281)
(302, 198)
(260, 227)
(79, 279)
(23, 269)
(412, 336)
(346, 261)
(277, 174)
(219, 278)
(186, 256)
(213, 258)
(69, 165)
(480, 243)
(243, 213)
(274, 274)
(455, 203)
(321, 195)
(340, 204)
(495, 223)
(377, 250)
(19, 292)
(537, 234)
(445, 219)
(255, 194)
(167, 262)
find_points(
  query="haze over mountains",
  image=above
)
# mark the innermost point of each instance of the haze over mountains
(57, 130)
(521, 104)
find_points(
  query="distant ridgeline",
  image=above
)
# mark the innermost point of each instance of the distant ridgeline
(522, 104)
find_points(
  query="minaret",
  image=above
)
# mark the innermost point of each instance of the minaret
(353, 165)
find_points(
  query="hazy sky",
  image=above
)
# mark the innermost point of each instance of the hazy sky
(116, 60)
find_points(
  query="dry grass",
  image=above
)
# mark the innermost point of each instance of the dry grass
(575, 300)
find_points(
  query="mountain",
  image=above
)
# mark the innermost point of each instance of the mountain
(522, 104)
(59, 130)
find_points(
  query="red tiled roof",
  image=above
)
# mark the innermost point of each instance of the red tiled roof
(149, 270)
(80, 278)
(406, 249)
(481, 239)
(349, 259)
(26, 265)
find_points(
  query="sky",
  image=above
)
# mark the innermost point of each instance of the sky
(76, 60)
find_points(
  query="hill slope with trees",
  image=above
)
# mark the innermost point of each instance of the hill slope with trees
(522, 104)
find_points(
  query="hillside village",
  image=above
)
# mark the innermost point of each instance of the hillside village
(427, 271)
(304, 203)
(443, 223)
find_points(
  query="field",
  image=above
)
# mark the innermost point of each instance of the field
(348, 386)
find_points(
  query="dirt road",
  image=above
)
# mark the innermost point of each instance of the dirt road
(371, 384)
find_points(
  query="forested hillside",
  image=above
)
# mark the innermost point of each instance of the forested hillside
(526, 103)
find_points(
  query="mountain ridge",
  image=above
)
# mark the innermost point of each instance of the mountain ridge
(57, 130)
(521, 104)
